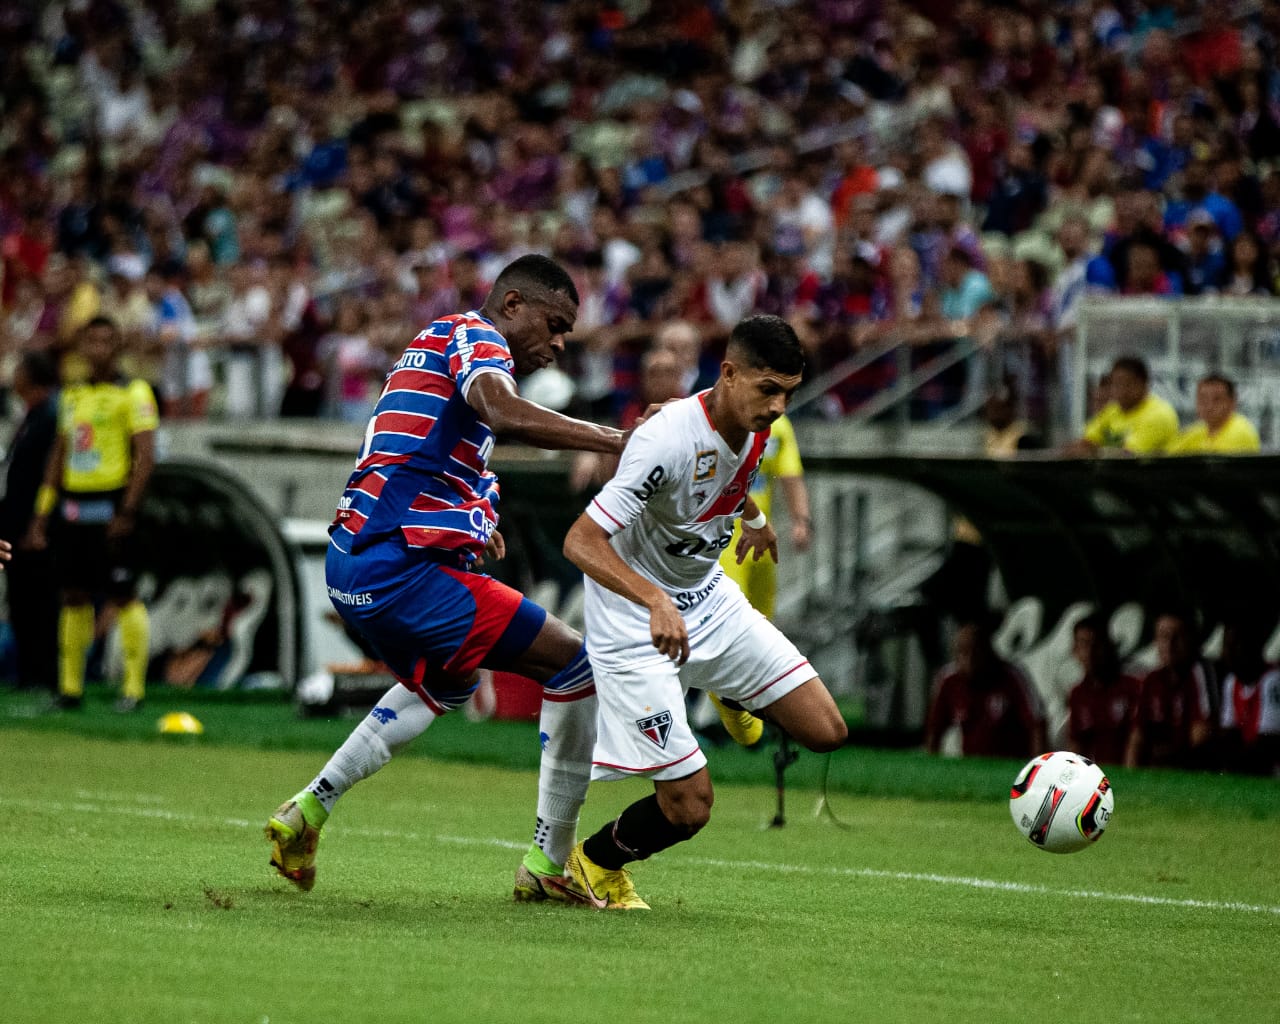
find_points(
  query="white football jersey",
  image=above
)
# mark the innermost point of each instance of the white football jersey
(670, 508)
(1267, 709)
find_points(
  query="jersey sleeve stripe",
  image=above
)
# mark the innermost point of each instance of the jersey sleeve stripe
(605, 512)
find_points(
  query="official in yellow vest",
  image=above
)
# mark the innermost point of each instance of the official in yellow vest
(1220, 428)
(1135, 420)
(95, 479)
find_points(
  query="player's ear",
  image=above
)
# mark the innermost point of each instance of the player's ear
(512, 302)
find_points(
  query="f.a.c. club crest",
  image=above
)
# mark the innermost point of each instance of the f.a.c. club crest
(656, 728)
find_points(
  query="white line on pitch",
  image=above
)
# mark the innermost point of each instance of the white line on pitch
(731, 865)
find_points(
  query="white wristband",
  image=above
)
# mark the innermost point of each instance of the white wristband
(757, 523)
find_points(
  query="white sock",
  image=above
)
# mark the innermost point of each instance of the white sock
(398, 718)
(568, 738)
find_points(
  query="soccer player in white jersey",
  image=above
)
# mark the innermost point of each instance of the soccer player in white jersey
(661, 616)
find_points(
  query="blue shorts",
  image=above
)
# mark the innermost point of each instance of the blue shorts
(432, 624)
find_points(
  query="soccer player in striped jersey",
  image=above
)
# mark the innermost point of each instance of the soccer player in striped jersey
(418, 516)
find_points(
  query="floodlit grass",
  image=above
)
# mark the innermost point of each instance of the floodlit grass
(134, 887)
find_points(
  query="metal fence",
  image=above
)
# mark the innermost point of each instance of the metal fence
(1181, 341)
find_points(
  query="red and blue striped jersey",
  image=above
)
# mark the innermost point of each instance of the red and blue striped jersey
(423, 469)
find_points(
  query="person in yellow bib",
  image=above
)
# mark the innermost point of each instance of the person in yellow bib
(780, 466)
(1220, 428)
(1135, 420)
(95, 479)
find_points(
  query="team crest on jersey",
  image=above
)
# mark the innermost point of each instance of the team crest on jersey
(656, 728)
(704, 466)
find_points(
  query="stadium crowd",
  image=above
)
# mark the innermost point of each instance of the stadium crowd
(270, 198)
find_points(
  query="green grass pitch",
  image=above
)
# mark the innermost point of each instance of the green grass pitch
(134, 887)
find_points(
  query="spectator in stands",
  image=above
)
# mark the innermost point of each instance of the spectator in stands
(1134, 420)
(661, 380)
(158, 150)
(990, 701)
(1173, 723)
(187, 375)
(352, 362)
(1248, 269)
(1219, 428)
(247, 330)
(683, 340)
(1250, 716)
(1143, 274)
(1206, 262)
(1160, 267)
(1102, 705)
(1071, 284)
(1196, 194)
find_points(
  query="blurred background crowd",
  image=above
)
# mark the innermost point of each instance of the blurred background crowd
(271, 198)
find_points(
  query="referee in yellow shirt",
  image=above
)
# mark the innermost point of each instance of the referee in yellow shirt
(1220, 429)
(95, 478)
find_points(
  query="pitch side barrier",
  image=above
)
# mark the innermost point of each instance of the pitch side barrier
(219, 580)
(1129, 537)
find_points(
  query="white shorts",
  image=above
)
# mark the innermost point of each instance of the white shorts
(734, 652)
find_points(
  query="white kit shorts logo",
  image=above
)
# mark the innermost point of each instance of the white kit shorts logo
(656, 728)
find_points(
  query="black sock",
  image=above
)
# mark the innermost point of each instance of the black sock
(637, 833)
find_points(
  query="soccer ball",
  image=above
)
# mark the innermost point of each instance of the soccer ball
(1061, 801)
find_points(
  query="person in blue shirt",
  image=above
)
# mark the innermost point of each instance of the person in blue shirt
(1197, 195)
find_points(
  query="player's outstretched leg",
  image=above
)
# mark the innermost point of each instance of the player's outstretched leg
(294, 829)
(567, 728)
(809, 715)
(596, 871)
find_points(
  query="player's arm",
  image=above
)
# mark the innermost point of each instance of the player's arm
(142, 420)
(790, 473)
(587, 546)
(494, 398)
(141, 465)
(47, 497)
(796, 495)
(758, 539)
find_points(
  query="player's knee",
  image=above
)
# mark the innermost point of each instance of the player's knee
(688, 809)
(829, 733)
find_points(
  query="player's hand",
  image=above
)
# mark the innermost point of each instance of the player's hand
(121, 526)
(37, 538)
(654, 407)
(495, 547)
(6, 552)
(666, 626)
(756, 543)
(801, 534)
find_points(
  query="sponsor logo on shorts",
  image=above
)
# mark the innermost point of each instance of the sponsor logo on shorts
(656, 728)
(343, 597)
(704, 466)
